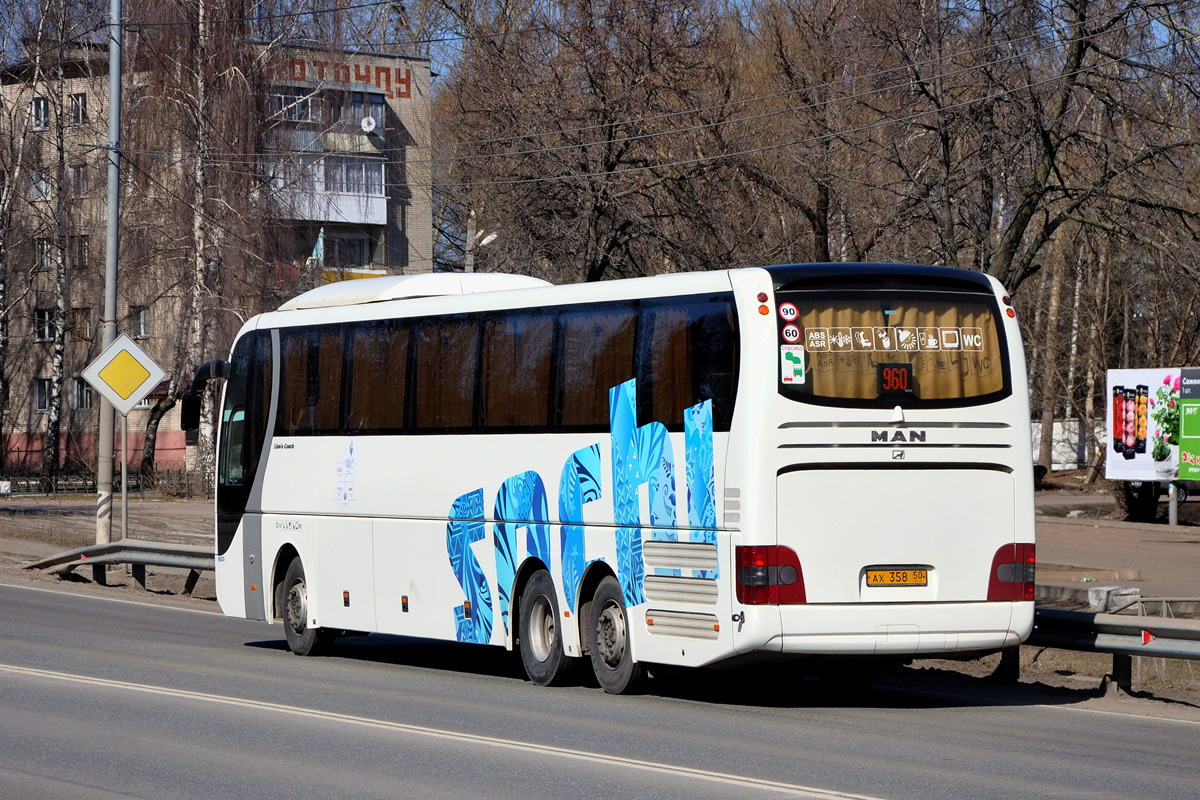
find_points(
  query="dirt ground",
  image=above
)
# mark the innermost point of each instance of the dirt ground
(34, 528)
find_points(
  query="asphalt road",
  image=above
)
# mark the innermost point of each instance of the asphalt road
(103, 699)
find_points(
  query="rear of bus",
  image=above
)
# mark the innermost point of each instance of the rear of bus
(891, 508)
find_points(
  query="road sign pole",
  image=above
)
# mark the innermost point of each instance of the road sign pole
(104, 443)
(124, 477)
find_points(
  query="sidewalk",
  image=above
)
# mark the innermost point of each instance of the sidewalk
(1159, 560)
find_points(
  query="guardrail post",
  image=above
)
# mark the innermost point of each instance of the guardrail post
(1122, 675)
(192, 578)
(139, 574)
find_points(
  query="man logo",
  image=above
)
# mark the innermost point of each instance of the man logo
(897, 436)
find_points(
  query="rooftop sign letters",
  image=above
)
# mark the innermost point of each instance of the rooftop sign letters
(395, 82)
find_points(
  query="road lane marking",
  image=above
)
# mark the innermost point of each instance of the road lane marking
(742, 781)
(147, 602)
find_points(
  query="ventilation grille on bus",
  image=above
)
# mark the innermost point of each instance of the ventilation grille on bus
(669, 589)
(682, 623)
(680, 555)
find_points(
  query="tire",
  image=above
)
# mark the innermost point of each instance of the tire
(608, 627)
(301, 639)
(540, 632)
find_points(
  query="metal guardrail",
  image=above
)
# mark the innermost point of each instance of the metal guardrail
(1122, 635)
(139, 554)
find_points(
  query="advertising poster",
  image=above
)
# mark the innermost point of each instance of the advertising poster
(1189, 424)
(1142, 442)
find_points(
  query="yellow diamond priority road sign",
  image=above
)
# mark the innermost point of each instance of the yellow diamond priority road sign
(124, 374)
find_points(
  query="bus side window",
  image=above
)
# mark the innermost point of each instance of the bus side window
(597, 353)
(377, 378)
(515, 384)
(688, 357)
(446, 366)
(310, 381)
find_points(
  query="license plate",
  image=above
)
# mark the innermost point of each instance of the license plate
(901, 576)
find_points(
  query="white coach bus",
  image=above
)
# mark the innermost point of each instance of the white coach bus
(803, 460)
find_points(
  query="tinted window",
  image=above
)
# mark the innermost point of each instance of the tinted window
(689, 356)
(515, 383)
(886, 348)
(446, 360)
(310, 381)
(596, 354)
(376, 377)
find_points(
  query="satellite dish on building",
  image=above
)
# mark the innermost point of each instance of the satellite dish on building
(368, 124)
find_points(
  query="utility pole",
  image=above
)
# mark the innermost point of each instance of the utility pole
(469, 260)
(104, 444)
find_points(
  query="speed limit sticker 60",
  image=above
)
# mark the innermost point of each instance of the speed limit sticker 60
(788, 312)
(791, 334)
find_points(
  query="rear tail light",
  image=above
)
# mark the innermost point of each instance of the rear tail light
(769, 575)
(1012, 573)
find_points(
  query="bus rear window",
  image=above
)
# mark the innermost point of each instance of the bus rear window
(882, 349)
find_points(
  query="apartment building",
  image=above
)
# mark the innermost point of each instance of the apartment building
(345, 170)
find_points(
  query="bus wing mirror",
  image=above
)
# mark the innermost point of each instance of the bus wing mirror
(189, 413)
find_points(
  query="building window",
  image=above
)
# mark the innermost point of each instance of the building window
(41, 113)
(81, 323)
(145, 402)
(45, 253)
(79, 251)
(139, 322)
(77, 181)
(83, 394)
(293, 104)
(347, 252)
(350, 108)
(41, 395)
(39, 185)
(43, 324)
(79, 109)
(354, 175)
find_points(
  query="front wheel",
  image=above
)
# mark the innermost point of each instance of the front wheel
(612, 660)
(302, 640)
(540, 636)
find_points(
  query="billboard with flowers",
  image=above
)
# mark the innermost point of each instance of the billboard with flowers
(1142, 443)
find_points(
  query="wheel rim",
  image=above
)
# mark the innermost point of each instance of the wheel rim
(542, 634)
(297, 607)
(610, 635)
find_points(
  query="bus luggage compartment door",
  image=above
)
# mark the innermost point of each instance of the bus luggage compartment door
(888, 535)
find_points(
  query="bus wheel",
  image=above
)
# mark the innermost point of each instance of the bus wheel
(540, 635)
(612, 660)
(302, 640)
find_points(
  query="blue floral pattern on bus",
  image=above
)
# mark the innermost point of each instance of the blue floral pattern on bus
(579, 484)
(701, 479)
(467, 526)
(627, 476)
(520, 503)
(640, 455)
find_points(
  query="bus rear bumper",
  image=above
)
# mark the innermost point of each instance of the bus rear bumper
(902, 629)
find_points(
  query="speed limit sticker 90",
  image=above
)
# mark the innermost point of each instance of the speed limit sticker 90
(788, 311)
(791, 334)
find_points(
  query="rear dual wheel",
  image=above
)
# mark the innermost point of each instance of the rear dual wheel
(612, 659)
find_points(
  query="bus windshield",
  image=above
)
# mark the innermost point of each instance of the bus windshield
(879, 349)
